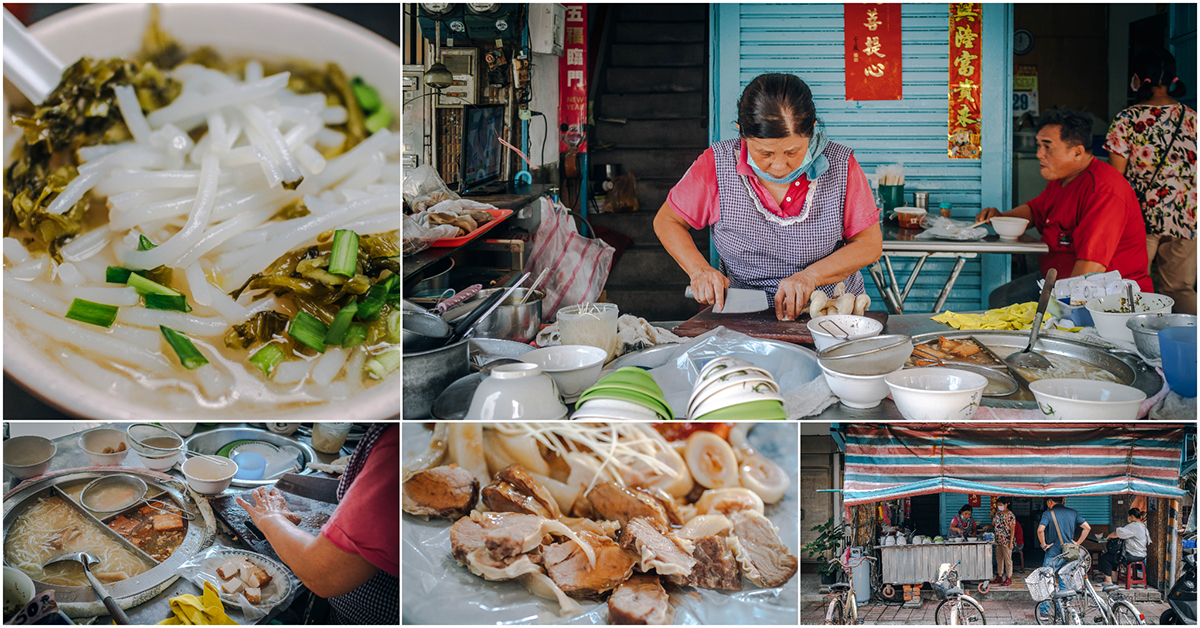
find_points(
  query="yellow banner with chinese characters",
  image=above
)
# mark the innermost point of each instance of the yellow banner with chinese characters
(966, 76)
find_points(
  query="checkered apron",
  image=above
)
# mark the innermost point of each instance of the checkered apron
(376, 601)
(759, 249)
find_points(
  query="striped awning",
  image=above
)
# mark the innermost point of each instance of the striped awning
(1036, 460)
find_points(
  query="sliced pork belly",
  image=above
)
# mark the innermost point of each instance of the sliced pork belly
(639, 601)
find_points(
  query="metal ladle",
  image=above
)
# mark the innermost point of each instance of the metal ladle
(87, 561)
(1028, 358)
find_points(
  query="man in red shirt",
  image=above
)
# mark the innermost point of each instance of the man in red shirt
(1088, 214)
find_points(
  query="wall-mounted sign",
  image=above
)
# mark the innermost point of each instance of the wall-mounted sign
(572, 80)
(874, 59)
(1025, 90)
(966, 77)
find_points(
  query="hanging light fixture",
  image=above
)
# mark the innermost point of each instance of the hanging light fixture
(438, 76)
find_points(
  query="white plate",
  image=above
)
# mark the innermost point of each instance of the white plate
(276, 591)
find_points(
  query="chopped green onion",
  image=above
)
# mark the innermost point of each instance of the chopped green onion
(116, 274)
(369, 306)
(344, 258)
(174, 303)
(341, 322)
(383, 364)
(355, 335)
(92, 313)
(366, 95)
(267, 358)
(379, 120)
(144, 243)
(145, 286)
(393, 326)
(189, 356)
(308, 330)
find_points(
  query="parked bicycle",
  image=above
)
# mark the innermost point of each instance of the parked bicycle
(1058, 604)
(957, 608)
(1116, 610)
(843, 608)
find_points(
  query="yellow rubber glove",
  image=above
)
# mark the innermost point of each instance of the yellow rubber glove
(190, 610)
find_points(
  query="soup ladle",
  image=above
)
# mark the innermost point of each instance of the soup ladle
(1027, 358)
(87, 561)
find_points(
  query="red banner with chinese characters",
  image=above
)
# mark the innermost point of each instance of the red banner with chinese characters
(572, 80)
(966, 76)
(874, 66)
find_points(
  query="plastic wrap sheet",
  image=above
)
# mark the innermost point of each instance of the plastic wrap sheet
(438, 590)
(939, 228)
(791, 366)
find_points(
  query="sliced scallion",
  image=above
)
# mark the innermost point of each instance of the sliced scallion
(267, 358)
(366, 95)
(376, 297)
(344, 257)
(174, 303)
(144, 243)
(116, 274)
(379, 120)
(145, 286)
(189, 356)
(306, 329)
(341, 323)
(355, 335)
(393, 326)
(383, 364)
(92, 313)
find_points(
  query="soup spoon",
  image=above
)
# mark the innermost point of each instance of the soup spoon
(27, 63)
(87, 561)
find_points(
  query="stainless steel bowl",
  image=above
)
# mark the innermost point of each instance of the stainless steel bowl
(510, 321)
(876, 355)
(423, 331)
(1145, 328)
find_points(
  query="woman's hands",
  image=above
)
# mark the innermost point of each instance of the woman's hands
(268, 502)
(793, 295)
(709, 285)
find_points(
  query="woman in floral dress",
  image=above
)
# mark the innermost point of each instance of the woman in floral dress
(1138, 140)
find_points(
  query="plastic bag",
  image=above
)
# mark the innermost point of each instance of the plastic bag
(578, 266)
(423, 188)
(940, 228)
(203, 566)
(418, 237)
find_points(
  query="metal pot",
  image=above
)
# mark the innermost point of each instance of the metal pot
(511, 321)
(423, 331)
(428, 373)
(437, 279)
(1145, 328)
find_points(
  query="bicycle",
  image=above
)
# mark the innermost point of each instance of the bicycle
(1055, 605)
(843, 608)
(957, 608)
(1113, 610)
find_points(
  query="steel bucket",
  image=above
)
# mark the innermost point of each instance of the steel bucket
(511, 321)
(428, 373)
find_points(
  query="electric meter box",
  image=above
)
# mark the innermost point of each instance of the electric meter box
(463, 64)
(547, 33)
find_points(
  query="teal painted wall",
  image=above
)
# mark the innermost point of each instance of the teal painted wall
(806, 40)
(1096, 509)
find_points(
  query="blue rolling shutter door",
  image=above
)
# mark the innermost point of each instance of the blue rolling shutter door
(951, 502)
(1096, 509)
(807, 40)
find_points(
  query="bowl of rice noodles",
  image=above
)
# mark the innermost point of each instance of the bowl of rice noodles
(203, 219)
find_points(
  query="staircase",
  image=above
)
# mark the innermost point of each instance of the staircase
(653, 107)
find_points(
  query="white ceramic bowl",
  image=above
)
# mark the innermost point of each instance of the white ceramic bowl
(734, 396)
(1087, 399)
(18, 590)
(718, 389)
(517, 391)
(28, 456)
(857, 391)
(722, 366)
(1111, 324)
(573, 367)
(267, 31)
(704, 388)
(607, 408)
(160, 463)
(936, 393)
(1009, 227)
(207, 477)
(856, 326)
(94, 442)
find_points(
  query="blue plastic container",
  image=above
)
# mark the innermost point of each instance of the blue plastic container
(1178, 345)
(250, 465)
(1079, 314)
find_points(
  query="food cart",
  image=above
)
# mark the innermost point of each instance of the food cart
(917, 564)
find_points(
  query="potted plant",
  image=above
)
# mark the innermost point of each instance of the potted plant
(829, 539)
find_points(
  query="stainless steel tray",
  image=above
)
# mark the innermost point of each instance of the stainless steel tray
(1127, 366)
(140, 588)
(213, 441)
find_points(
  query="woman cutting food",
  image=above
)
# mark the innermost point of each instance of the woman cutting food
(791, 212)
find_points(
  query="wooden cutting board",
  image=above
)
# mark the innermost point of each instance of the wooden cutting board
(313, 515)
(758, 324)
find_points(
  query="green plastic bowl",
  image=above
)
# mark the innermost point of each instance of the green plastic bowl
(765, 410)
(639, 398)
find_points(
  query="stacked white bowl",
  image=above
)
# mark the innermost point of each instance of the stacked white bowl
(731, 388)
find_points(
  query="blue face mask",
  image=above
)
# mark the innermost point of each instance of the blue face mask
(814, 165)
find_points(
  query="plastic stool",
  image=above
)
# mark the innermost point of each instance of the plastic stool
(1128, 575)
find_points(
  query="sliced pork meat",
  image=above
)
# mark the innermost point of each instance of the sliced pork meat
(466, 536)
(450, 492)
(522, 481)
(511, 534)
(613, 502)
(568, 566)
(501, 496)
(763, 555)
(467, 543)
(639, 601)
(668, 503)
(715, 568)
(665, 556)
(602, 527)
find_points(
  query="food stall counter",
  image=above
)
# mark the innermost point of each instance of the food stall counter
(915, 564)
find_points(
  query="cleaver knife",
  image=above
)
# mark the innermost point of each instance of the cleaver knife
(320, 489)
(738, 300)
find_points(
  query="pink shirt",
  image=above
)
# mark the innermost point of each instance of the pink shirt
(695, 197)
(367, 521)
